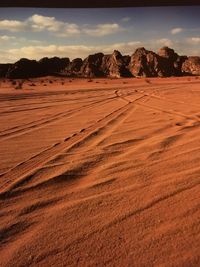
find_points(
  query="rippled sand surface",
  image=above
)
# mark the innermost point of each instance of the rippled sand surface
(100, 172)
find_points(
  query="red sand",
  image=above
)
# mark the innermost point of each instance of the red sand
(100, 173)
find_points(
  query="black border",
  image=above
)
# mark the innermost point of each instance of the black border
(95, 3)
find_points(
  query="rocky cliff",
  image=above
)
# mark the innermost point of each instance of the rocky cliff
(115, 65)
(4, 69)
(191, 66)
(145, 63)
(142, 62)
(25, 68)
(170, 62)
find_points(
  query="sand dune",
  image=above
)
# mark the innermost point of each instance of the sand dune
(100, 173)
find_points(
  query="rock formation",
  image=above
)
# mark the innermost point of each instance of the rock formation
(24, 68)
(191, 66)
(54, 65)
(115, 65)
(91, 66)
(142, 63)
(145, 63)
(75, 65)
(170, 62)
(4, 69)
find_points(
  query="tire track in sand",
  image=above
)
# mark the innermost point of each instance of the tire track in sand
(19, 174)
(16, 131)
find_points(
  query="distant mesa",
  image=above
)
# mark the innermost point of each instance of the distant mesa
(25, 68)
(142, 63)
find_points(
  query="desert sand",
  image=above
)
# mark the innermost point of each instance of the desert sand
(101, 172)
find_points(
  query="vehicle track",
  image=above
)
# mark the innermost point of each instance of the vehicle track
(39, 95)
(153, 95)
(46, 102)
(20, 130)
(171, 112)
(18, 174)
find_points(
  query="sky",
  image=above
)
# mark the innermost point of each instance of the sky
(38, 32)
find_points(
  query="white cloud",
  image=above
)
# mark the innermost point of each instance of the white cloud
(12, 25)
(126, 19)
(42, 23)
(194, 40)
(124, 48)
(71, 51)
(69, 30)
(164, 42)
(103, 29)
(176, 30)
(37, 51)
(39, 23)
(5, 38)
(18, 41)
(34, 23)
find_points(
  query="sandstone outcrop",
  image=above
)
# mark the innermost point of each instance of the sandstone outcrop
(75, 65)
(115, 65)
(4, 69)
(142, 63)
(54, 65)
(24, 68)
(92, 66)
(145, 63)
(191, 66)
(170, 62)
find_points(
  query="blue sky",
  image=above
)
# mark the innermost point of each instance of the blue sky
(36, 32)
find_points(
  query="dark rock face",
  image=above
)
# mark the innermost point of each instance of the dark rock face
(191, 66)
(76, 65)
(115, 65)
(100, 65)
(145, 63)
(126, 60)
(91, 66)
(4, 69)
(149, 64)
(73, 68)
(168, 53)
(24, 68)
(170, 61)
(142, 63)
(51, 66)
